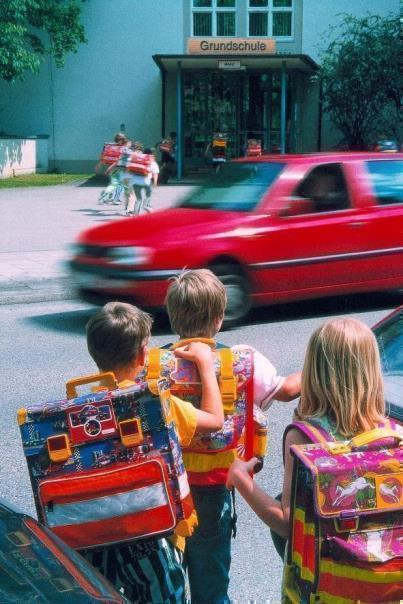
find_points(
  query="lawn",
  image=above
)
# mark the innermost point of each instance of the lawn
(41, 180)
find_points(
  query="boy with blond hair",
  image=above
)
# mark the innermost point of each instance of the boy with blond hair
(148, 570)
(196, 302)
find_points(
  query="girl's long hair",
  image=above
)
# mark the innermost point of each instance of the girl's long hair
(342, 377)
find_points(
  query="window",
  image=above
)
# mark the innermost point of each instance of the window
(271, 18)
(214, 18)
(387, 180)
(325, 188)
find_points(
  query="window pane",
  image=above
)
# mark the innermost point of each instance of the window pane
(225, 3)
(225, 24)
(202, 24)
(387, 180)
(281, 24)
(258, 24)
(282, 3)
(201, 3)
(257, 3)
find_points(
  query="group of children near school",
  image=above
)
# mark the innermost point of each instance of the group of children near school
(340, 389)
(133, 170)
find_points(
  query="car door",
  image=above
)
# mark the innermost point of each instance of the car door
(318, 235)
(385, 180)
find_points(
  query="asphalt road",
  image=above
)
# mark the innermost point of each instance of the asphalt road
(42, 345)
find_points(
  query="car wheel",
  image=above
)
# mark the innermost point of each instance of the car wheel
(238, 299)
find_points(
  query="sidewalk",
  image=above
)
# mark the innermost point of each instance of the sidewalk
(39, 224)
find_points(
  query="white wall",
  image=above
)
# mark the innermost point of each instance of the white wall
(23, 156)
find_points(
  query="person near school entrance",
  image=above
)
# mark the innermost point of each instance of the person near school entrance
(195, 302)
(217, 149)
(143, 192)
(341, 392)
(167, 148)
(149, 569)
(126, 177)
(253, 147)
(111, 194)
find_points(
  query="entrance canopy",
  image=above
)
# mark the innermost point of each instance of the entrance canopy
(242, 95)
(169, 63)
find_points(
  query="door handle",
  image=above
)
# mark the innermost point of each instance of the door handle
(358, 223)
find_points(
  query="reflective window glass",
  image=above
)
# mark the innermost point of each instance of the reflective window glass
(226, 24)
(387, 180)
(281, 24)
(202, 24)
(202, 3)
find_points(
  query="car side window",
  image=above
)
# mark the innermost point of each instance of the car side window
(387, 180)
(325, 187)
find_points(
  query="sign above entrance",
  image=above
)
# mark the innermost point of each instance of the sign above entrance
(228, 46)
(226, 64)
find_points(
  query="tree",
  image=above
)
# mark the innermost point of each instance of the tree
(361, 78)
(32, 29)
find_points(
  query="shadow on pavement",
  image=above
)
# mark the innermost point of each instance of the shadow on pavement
(98, 180)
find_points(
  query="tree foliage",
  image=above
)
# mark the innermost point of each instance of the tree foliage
(361, 77)
(32, 29)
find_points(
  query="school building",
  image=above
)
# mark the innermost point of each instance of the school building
(189, 66)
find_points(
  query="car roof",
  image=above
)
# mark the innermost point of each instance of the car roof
(323, 157)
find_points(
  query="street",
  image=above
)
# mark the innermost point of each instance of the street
(43, 344)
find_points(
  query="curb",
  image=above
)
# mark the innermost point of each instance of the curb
(48, 291)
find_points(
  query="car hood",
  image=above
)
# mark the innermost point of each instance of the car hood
(175, 224)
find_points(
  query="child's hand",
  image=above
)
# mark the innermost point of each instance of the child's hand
(240, 471)
(198, 352)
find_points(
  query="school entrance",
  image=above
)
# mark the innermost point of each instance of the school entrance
(264, 98)
(236, 104)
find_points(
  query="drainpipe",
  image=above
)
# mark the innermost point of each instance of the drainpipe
(283, 107)
(179, 128)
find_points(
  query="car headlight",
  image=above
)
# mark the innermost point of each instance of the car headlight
(130, 255)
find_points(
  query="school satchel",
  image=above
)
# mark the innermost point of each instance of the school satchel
(135, 162)
(110, 153)
(346, 537)
(166, 146)
(244, 433)
(36, 566)
(107, 467)
(254, 148)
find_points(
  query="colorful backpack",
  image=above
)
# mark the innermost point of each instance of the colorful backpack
(346, 537)
(219, 147)
(107, 467)
(110, 153)
(135, 161)
(166, 146)
(244, 432)
(254, 148)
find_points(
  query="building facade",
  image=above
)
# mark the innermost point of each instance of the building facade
(189, 66)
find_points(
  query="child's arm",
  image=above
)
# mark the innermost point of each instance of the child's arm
(290, 389)
(111, 167)
(276, 514)
(210, 416)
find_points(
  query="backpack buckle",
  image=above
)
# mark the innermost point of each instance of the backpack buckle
(346, 524)
(228, 393)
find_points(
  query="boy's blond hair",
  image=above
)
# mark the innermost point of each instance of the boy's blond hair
(196, 301)
(116, 335)
(342, 377)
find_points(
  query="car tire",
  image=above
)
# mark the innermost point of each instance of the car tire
(238, 298)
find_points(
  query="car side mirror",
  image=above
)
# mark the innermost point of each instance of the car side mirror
(297, 206)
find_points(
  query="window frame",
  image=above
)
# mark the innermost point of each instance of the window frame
(270, 10)
(214, 9)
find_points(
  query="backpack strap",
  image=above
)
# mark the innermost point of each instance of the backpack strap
(249, 422)
(154, 364)
(227, 379)
(315, 434)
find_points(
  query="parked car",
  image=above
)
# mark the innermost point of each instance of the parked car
(36, 566)
(389, 333)
(277, 228)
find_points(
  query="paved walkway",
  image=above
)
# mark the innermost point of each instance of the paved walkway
(39, 224)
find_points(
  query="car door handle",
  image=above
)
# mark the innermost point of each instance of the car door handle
(358, 223)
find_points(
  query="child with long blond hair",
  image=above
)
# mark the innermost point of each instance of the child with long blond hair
(341, 393)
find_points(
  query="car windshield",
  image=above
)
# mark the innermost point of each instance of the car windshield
(237, 187)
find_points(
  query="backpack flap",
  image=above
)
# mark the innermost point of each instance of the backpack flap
(349, 483)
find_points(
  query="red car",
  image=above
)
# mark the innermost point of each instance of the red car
(274, 228)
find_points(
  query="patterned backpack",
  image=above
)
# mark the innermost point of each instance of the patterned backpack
(135, 162)
(107, 467)
(110, 153)
(254, 148)
(244, 433)
(346, 536)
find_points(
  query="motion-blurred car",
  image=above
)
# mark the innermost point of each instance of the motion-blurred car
(275, 229)
(389, 333)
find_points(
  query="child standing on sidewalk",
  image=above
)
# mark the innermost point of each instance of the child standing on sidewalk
(196, 302)
(148, 570)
